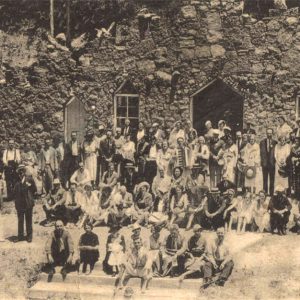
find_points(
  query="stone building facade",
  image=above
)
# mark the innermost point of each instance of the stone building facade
(160, 68)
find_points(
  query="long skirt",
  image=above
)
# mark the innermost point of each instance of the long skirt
(90, 163)
(279, 180)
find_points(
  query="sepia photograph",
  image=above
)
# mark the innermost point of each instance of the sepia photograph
(149, 149)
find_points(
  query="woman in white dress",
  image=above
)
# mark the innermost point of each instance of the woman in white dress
(90, 148)
(230, 155)
(252, 159)
(282, 152)
(128, 150)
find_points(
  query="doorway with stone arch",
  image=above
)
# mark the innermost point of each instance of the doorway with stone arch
(217, 101)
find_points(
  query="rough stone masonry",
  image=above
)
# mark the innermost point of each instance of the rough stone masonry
(167, 59)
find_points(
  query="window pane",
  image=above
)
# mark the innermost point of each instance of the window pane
(133, 111)
(133, 101)
(121, 112)
(121, 101)
(120, 122)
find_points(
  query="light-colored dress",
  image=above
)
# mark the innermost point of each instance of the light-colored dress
(246, 210)
(90, 158)
(174, 135)
(128, 150)
(261, 215)
(281, 154)
(230, 156)
(163, 159)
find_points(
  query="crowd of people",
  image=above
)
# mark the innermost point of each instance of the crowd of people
(159, 178)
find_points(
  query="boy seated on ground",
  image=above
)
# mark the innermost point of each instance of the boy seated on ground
(59, 251)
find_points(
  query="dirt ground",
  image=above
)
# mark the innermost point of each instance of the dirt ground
(266, 266)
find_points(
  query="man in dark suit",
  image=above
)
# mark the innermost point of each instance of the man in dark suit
(131, 178)
(267, 147)
(24, 192)
(72, 156)
(107, 150)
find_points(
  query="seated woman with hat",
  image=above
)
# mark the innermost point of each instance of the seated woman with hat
(143, 203)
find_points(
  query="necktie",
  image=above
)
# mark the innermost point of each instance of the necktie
(73, 199)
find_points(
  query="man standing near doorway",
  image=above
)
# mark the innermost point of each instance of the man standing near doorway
(48, 165)
(267, 159)
(107, 150)
(11, 159)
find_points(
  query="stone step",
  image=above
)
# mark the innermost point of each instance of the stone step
(59, 290)
(98, 278)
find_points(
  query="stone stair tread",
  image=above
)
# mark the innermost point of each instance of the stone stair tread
(99, 278)
(44, 290)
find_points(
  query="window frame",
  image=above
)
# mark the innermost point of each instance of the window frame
(127, 107)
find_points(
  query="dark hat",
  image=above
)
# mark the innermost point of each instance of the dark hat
(21, 167)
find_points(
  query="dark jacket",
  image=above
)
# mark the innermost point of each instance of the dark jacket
(107, 149)
(130, 181)
(267, 158)
(24, 193)
(68, 149)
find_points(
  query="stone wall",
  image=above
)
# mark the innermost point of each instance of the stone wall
(206, 39)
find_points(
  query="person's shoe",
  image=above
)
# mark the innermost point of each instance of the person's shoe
(20, 239)
(50, 276)
(220, 282)
(63, 274)
(29, 239)
(206, 283)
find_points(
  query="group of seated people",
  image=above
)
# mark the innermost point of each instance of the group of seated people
(184, 200)
(172, 255)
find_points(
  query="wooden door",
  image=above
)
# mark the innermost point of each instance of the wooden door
(75, 119)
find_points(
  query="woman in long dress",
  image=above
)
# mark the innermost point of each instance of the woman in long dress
(230, 155)
(295, 175)
(252, 159)
(179, 205)
(90, 148)
(282, 152)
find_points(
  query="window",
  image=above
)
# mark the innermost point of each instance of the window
(127, 107)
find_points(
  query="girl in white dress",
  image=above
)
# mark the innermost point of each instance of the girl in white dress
(282, 152)
(245, 213)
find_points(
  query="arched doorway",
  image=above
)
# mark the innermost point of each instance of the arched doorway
(217, 101)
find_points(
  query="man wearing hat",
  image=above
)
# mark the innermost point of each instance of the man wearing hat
(157, 132)
(280, 210)
(53, 205)
(195, 253)
(81, 177)
(24, 192)
(218, 260)
(213, 210)
(72, 155)
(131, 178)
(11, 159)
